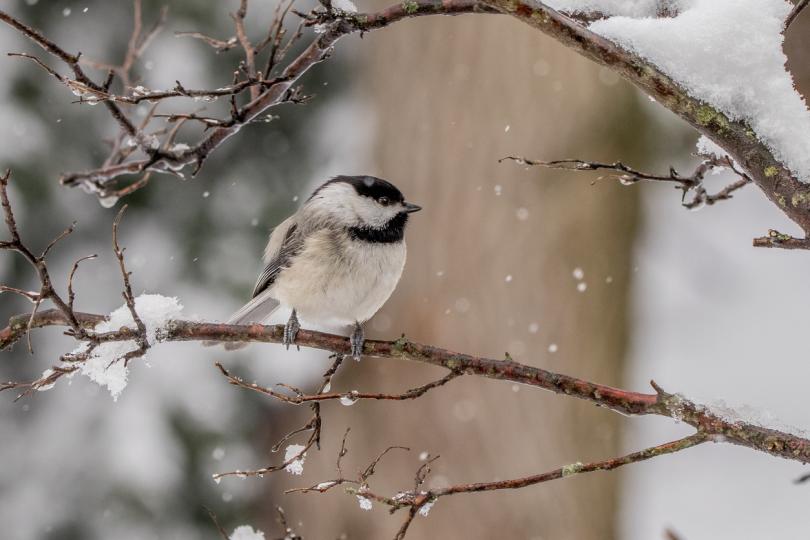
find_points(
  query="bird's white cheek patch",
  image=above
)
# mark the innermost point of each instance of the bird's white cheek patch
(374, 214)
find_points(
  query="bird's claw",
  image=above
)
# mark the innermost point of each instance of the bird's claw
(290, 331)
(356, 341)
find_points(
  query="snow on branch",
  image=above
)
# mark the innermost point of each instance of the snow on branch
(246, 532)
(745, 79)
(757, 147)
(106, 344)
(687, 55)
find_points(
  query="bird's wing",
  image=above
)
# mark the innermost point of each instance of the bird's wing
(284, 243)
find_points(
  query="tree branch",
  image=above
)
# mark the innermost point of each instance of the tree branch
(790, 195)
(576, 468)
(129, 298)
(264, 93)
(628, 176)
(73, 63)
(797, 9)
(776, 239)
(417, 500)
(298, 397)
(247, 46)
(779, 185)
(37, 262)
(630, 403)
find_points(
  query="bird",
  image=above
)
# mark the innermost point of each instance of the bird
(335, 261)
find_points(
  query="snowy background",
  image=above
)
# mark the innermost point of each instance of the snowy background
(721, 323)
(710, 316)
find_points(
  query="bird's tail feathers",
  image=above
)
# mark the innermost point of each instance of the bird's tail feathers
(257, 311)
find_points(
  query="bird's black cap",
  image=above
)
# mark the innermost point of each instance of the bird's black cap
(368, 186)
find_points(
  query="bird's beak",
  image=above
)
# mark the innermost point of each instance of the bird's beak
(410, 208)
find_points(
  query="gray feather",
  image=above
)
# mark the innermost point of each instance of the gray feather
(279, 260)
(257, 310)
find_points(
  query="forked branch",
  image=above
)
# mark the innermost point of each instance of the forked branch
(628, 176)
(80, 325)
(420, 501)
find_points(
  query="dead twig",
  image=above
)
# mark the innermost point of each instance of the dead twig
(299, 397)
(218, 44)
(628, 176)
(222, 532)
(129, 298)
(37, 262)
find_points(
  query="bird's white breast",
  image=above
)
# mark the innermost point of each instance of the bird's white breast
(336, 280)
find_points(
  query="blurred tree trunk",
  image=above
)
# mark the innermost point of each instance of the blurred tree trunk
(490, 270)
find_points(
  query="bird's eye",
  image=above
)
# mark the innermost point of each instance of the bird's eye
(385, 201)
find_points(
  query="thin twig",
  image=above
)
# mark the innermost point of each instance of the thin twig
(218, 44)
(129, 298)
(222, 532)
(576, 468)
(46, 291)
(71, 294)
(403, 530)
(628, 176)
(350, 397)
(247, 46)
(40, 63)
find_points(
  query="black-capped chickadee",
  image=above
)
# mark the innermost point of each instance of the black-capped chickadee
(336, 260)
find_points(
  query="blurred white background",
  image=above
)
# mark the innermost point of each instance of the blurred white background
(431, 105)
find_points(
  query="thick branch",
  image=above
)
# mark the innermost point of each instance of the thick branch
(736, 138)
(797, 9)
(50, 317)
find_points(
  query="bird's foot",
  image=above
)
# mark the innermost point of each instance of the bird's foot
(291, 330)
(357, 340)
